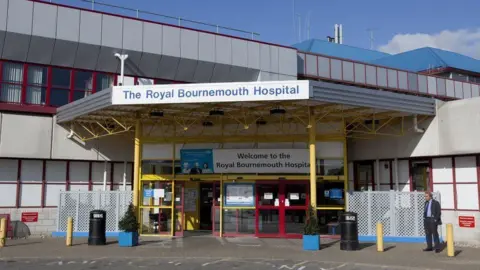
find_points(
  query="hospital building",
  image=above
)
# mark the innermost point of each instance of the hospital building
(207, 128)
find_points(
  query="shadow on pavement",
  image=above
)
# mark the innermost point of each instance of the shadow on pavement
(329, 244)
(457, 252)
(23, 244)
(389, 248)
(365, 245)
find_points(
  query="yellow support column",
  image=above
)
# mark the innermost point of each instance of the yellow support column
(380, 237)
(137, 163)
(69, 231)
(450, 246)
(312, 132)
(3, 232)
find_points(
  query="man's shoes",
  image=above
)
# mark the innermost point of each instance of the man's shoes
(428, 249)
(437, 251)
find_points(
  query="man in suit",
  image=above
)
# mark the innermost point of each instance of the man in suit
(432, 218)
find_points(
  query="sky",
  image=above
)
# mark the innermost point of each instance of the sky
(397, 25)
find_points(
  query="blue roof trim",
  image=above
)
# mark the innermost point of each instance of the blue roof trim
(339, 50)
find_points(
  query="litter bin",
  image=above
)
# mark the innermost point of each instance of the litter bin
(349, 231)
(97, 228)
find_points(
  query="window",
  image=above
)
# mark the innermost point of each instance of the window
(330, 167)
(37, 85)
(12, 78)
(60, 93)
(83, 84)
(104, 81)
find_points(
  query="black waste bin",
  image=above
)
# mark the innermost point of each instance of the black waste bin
(97, 228)
(349, 231)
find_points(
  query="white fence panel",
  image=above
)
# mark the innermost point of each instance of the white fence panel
(401, 213)
(78, 204)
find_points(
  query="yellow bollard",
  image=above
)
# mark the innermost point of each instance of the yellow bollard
(3, 232)
(450, 245)
(379, 237)
(69, 231)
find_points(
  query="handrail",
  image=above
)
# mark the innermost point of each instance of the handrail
(94, 4)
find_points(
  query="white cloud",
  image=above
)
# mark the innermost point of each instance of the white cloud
(462, 41)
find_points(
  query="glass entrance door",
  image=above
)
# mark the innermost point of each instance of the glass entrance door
(281, 208)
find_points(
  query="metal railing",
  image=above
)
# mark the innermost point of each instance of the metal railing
(401, 213)
(152, 16)
(367, 75)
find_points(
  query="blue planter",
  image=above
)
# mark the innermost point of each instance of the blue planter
(311, 242)
(128, 239)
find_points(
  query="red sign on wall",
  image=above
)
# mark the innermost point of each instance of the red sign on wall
(466, 222)
(30, 217)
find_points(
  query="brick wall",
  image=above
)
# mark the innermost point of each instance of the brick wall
(47, 220)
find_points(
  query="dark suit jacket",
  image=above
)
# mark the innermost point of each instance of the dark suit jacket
(436, 211)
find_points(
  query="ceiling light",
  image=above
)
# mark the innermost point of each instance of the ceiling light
(217, 113)
(261, 121)
(207, 123)
(156, 113)
(277, 111)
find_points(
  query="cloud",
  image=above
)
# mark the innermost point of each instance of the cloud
(463, 41)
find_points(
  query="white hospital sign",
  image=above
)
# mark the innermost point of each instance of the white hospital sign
(210, 92)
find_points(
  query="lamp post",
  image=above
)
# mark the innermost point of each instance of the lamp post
(122, 58)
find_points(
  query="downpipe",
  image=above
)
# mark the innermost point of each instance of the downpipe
(415, 125)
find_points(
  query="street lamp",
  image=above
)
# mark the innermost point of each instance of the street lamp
(122, 58)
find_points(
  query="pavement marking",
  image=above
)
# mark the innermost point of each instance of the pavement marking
(214, 262)
(71, 262)
(85, 262)
(293, 266)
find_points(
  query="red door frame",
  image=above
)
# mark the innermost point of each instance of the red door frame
(282, 208)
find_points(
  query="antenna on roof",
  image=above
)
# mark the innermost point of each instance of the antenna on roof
(372, 38)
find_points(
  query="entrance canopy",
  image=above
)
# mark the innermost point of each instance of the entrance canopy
(116, 109)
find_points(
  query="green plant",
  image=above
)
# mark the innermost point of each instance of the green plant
(129, 222)
(311, 222)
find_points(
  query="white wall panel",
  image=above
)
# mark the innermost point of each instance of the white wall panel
(17, 141)
(32, 171)
(157, 151)
(30, 195)
(100, 187)
(446, 193)
(79, 171)
(8, 195)
(51, 194)
(465, 169)
(79, 188)
(56, 171)
(442, 170)
(8, 170)
(467, 196)
(329, 149)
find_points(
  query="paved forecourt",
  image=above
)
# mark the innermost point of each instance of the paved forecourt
(206, 252)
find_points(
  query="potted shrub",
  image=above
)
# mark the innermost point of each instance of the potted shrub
(311, 237)
(128, 225)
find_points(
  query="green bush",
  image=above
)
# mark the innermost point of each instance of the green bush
(129, 222)
(311, 222)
